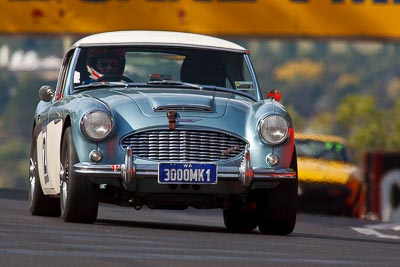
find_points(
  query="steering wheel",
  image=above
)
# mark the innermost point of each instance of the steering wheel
(113, 78)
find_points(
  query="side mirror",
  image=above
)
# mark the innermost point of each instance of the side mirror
(46, 93)
(274, 94)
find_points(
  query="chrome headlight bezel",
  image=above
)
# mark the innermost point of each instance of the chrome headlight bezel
(97, 125)
(273, 129)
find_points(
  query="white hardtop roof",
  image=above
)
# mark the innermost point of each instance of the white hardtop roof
(168, 38)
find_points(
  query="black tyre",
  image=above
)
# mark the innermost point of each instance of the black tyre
(39, 203)
(277, 208)
(239, 220)
(78, 196)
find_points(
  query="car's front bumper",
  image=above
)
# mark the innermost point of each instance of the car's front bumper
(128, 172)
(146, 171)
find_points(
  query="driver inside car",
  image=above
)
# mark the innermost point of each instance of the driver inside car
(105, 65)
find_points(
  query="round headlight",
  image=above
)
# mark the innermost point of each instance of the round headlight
(96, 125)
(273, 129)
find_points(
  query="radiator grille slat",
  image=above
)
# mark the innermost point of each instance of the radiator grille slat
(184, 145)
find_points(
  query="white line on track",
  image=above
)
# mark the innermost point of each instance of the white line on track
(376, 230)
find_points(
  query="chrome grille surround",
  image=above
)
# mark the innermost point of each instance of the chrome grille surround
(184, 145)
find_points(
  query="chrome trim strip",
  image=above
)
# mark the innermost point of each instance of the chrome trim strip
(95, 170)
(274, 174)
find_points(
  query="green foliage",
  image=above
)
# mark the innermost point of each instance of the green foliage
(20, 109)
(323, 123)
(358, 112)
(7, 81)
(17, 129)
(363, 124)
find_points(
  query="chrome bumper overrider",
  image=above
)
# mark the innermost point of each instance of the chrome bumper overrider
(129, 171)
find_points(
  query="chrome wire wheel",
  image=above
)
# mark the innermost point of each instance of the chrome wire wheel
(32, 178)
(39, 203)
(64, 185)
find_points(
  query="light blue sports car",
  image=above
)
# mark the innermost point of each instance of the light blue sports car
(166, 120)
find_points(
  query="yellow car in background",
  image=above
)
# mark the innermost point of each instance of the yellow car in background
(329, 182)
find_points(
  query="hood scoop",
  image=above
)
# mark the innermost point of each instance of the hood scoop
(188, 103)
(185, 107)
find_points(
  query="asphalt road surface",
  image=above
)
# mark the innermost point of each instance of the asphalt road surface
(126, 237)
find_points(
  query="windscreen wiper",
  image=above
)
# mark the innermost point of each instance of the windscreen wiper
(175, 83)
(101, 85)
(228, 90)
(202, 87)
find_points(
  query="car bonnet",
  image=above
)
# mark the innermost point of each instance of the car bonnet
(153, 103)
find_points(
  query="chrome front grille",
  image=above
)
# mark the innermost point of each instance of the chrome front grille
(184, 145)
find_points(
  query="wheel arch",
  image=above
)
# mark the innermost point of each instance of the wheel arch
(293, 162)
(67, 123)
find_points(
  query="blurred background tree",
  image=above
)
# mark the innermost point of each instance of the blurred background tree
(16, 127)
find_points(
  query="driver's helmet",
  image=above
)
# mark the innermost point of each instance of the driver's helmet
(105, 61)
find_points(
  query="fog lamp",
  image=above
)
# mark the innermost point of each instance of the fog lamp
(272, 159)
(95, 155)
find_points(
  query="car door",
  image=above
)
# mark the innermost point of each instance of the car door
(51, 135)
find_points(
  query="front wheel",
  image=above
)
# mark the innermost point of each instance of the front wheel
(277, 208)
(39, 203)
(78, 196)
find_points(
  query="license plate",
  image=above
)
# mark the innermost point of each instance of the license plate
(187, 173)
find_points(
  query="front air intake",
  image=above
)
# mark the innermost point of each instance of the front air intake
(184, 145)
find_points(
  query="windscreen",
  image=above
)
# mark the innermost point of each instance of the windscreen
(141, 65)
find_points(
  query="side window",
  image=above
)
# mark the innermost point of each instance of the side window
(63, 76)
